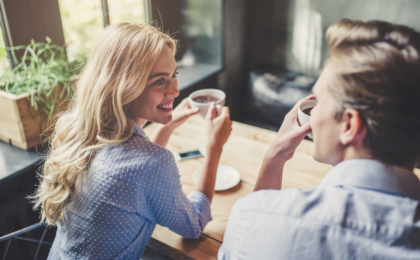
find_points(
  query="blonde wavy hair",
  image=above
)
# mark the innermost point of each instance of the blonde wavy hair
(115, 74)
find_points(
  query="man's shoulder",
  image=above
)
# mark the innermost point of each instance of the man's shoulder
(274, 201)
(293, 202)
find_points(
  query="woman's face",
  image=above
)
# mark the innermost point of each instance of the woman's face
(155, 103)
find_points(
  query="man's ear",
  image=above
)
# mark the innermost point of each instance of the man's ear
(352, 130)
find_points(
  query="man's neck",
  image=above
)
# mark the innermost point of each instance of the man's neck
(355, 152)
(363, 153)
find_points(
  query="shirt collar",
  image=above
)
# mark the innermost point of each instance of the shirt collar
(373, 175)
(137, 130)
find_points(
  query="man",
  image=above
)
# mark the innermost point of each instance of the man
(367, 124)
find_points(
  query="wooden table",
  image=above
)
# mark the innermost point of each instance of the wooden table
(244, 151)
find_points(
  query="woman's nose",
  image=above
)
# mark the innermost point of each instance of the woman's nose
(173, 90)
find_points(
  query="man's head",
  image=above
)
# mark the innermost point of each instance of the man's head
(369, 95)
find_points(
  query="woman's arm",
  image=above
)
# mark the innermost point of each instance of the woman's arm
(162, 134)
(181, 113)
(218, 131)
(161, 198)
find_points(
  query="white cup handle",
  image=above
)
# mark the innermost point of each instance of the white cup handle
(219, 109)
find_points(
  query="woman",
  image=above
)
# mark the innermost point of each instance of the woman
(104, 183)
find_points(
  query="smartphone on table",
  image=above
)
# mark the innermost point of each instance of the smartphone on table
(190, 155)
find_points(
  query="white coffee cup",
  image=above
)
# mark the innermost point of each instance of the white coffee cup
(203, 107)
(304, 118)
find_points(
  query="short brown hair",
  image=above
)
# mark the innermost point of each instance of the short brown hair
(376, 68)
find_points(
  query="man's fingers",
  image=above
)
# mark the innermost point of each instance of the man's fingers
(294, 111)
(295, 108)
(304, 130)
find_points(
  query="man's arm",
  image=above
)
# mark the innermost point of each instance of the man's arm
(282, 149)
(271, 174)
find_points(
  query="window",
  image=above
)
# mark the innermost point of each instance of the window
(131, 11)
(202, 28)
(201, 51)
(197, 24)
(4, 62)
(82, 24)
(83, 21)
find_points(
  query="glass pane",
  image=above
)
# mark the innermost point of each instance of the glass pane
(4, 61)
(309, 20)
(131, 11)
(82, 24)
(202, 29)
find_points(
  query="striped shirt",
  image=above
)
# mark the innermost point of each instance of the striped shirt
(362, 209)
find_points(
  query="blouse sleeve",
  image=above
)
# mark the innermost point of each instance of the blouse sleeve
(162, 201)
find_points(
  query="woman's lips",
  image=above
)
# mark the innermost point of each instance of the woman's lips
(165, 107)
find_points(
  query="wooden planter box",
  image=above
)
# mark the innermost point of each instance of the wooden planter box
(20, 124)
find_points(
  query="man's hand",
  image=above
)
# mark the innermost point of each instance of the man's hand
(282, 149)
(290, 134)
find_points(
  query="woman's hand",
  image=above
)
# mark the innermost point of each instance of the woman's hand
(290, 134)
(218, 127)
(181, 113)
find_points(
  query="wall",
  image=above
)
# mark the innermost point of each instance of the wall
(233, 77)
(290, 33)
(267, 25)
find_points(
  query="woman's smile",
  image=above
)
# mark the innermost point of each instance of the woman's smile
(166, 107)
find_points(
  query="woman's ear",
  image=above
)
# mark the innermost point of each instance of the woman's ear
(352, 130)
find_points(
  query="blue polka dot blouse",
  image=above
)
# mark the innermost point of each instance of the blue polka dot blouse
(127, 190)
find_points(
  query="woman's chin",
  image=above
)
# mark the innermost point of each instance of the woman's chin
(166, 120)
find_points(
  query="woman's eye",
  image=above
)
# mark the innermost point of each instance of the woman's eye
(159, 81)
(174, 76)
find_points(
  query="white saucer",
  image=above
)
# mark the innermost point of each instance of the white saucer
(227, 177)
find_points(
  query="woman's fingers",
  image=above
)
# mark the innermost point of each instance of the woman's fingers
(212, 112)
(191, 111)
(185, 101)
(225, 112)
(185, 104)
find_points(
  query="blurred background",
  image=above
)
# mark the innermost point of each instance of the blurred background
(265, 55)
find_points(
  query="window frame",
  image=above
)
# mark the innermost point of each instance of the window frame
(13, 28)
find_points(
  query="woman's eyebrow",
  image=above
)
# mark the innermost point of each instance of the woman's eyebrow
(161, 74)
(158, 75)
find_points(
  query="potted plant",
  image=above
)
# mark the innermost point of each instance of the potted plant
(32, 92)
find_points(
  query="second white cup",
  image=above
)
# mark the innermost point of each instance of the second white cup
(304, 117)
(202, 99)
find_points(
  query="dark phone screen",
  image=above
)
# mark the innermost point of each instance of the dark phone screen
(191, 153)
